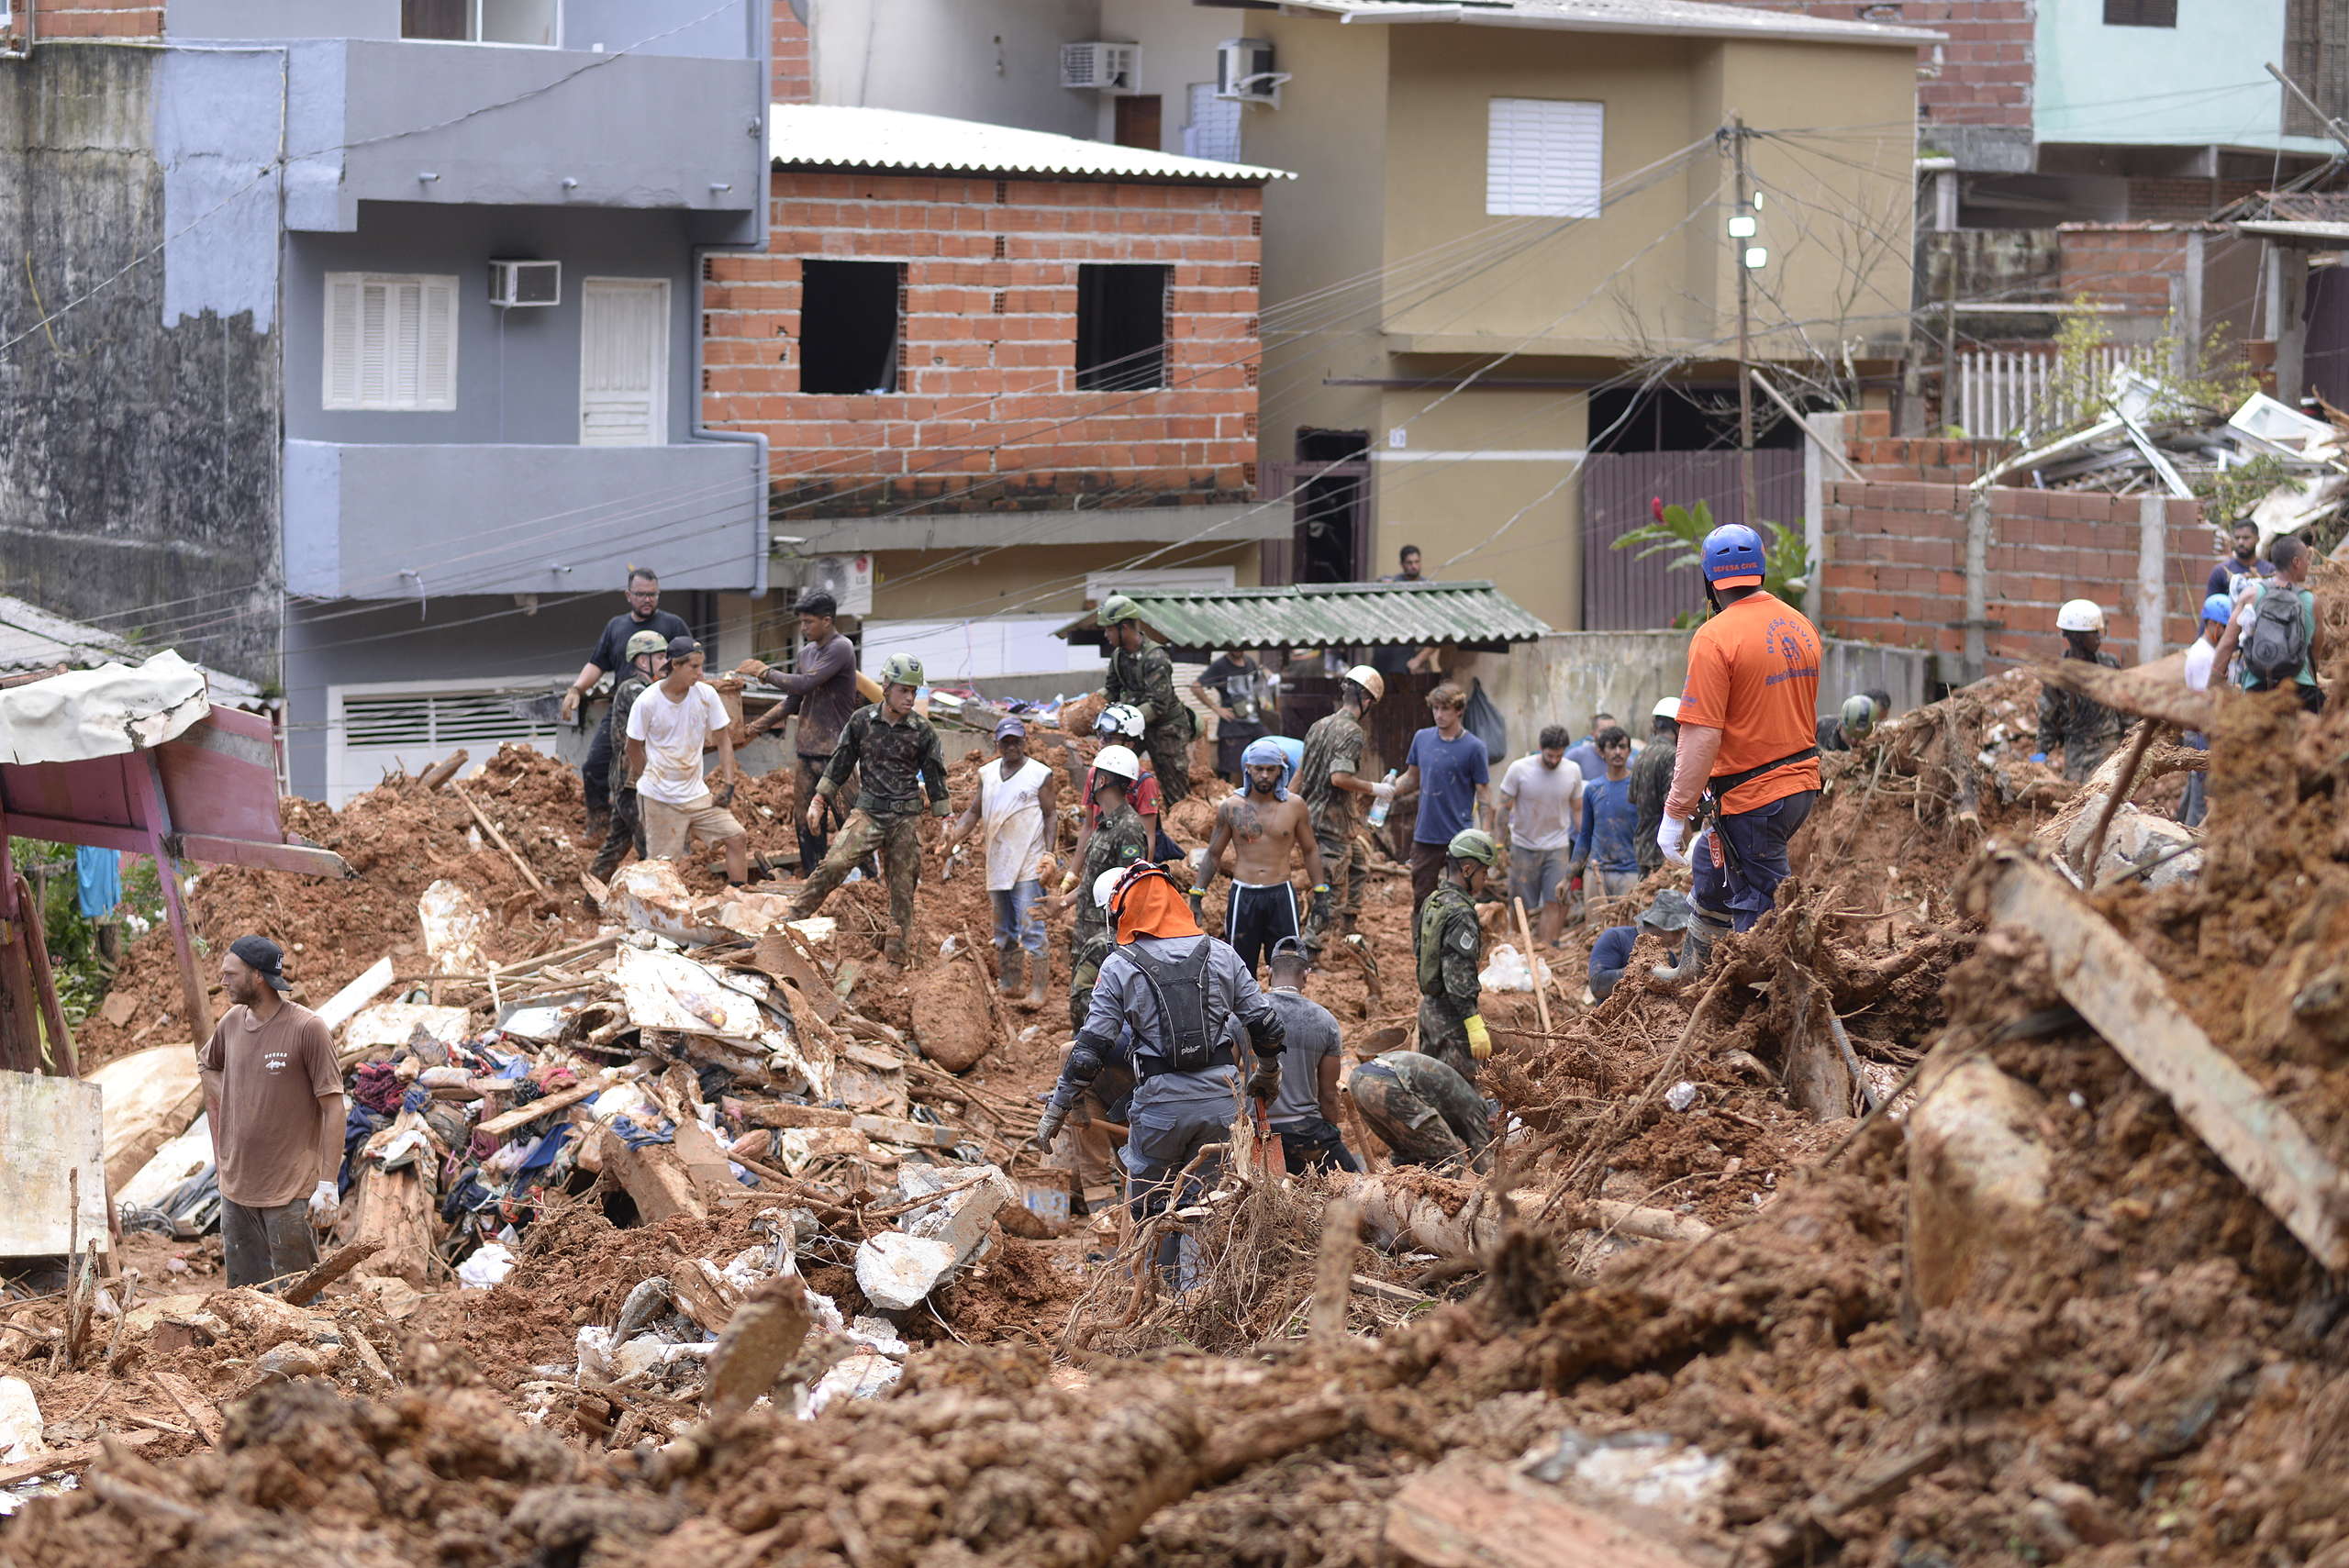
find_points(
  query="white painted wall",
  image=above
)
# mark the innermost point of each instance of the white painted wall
(996, 61)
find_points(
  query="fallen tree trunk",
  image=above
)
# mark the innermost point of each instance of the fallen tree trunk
(1405, 1208)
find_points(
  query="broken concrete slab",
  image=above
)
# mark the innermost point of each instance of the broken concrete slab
(52, 1165)
(897, 1272)
(1978, 1180)
(150, 1098)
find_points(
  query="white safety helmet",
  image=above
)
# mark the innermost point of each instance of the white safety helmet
(1668, 707)
(1370, 681)
(2079, 615)
(1119, 761)
(1120, 718)
(1105, 884)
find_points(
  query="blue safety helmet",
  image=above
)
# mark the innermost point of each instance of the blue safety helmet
(1733, 557)
(2218, 607)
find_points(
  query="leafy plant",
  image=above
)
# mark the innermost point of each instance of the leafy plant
(76, 958)
(1679, 532)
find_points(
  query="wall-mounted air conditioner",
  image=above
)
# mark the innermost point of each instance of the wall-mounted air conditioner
(513, 284)
(1102, 67)
(847, 578)
(1243, 72)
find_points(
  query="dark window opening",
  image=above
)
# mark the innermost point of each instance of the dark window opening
(2140, 13)
(1685, 420)
(1331, 506)
(443, 19)
(1138, 121)
(1120, 328)
(849, 315)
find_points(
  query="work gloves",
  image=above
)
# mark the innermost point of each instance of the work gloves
(324, 1206)
(1480, 1038)
(571, 705)
(1265, 1083)
(1668, 835)
(1048, 1126)
(1383, 791)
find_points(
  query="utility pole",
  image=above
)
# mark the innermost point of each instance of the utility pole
(1744, 330)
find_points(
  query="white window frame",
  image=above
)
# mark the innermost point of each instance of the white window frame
(659, 425)
(473, 26)
(340, 392)
(1544, 157)
(342, 782)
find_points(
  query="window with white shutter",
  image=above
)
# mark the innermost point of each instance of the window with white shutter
(623, 361)
(1543, 158)
(390, 342)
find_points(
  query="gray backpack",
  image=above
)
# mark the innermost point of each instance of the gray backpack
(2279, 643)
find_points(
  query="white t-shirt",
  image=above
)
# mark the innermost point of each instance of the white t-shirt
(1011, 821)
(673, 732)
(1544, 803)
(2198, 664)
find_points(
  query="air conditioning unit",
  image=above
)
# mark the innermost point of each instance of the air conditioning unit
(1102, 67)
(847, 578)
(518, 283)
(1243, 72)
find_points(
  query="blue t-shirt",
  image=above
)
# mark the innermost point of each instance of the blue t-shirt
(1612, 952)
(1450, 772)
(1583, 754)
(1610, 825)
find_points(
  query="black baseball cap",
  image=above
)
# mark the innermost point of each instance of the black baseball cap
(1294, 950)
(264, 957)
(683, 646)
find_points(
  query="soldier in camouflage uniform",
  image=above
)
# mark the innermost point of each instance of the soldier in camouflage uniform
(1330, 778)
(900, 761)
(1119, 841)
(648, 660)
(1450, 946)
(1142, 675)
(2083, 729)
(1424, 1112)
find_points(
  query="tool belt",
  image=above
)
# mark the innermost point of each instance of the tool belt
(1720, 785)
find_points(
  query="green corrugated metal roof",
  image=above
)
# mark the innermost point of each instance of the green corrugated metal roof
(1318, 615)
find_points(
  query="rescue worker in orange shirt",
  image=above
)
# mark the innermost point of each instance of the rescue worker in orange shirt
(1749, 748)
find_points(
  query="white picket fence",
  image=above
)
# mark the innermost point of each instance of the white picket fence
(2006, 391)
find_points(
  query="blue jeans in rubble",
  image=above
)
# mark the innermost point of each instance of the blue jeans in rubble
(1739, 892)
(1171, 1117)
(1017, 919)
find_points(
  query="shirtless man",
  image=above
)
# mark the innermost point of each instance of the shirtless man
(1264, 825)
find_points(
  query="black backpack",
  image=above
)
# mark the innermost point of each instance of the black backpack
(2279, 643)
(1190, 1017)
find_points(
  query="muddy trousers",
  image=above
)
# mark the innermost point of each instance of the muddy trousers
(812, 845)
(1418, 1132)
(1443, 1034)
(898, 838)
(626, 833)
(595, 771)
(1174, 1115)
(1084, 969)
(1741, 889)
(1345, 865)
(261, 1244)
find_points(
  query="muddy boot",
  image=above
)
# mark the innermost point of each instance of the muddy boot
(1040, 970)
(894, 950)
(1010, 964)
(1695, 949)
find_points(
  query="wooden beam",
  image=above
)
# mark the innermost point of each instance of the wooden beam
(2124, 998)
(1470, 1514)
(2126, 691)
(504, 1122)
(71, 1457)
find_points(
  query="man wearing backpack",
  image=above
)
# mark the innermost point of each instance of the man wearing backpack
(2082, 728)
(1176, 989)
(2277, 628)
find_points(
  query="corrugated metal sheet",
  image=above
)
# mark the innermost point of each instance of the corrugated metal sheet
(834, 136)
(1700, 17)
(1323, 614)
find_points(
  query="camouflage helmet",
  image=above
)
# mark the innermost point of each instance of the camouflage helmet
(901, 669)
(1117, 607)
(1473, 844)
(643, 643)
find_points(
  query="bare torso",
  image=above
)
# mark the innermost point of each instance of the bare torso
(1264, 834)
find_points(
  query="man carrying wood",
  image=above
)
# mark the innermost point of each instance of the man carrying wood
(822, 692)
(1264, 826)
(1424, 1112)
(1142, 673)
(896, 756)
(648, 660)
(1452, 951)
(1330, 778)
(274, 1100)
(667, 729)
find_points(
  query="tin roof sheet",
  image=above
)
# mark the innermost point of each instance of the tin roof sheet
(837, 136)
(1318, 615)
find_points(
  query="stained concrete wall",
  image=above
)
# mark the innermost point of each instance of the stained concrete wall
(138, 473)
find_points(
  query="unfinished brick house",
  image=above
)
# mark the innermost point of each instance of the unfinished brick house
(994, 369)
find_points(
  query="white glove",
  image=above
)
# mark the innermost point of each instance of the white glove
(1668, 834)
(570, 704)
(324, 1206)
(1383, 790)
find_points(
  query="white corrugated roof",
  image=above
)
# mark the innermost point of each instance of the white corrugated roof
(837, 137)
(33, 638)
(1691, 16)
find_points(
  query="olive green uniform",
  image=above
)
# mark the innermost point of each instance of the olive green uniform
(1145, 679)
(2084, 727)
(1334, 744)
(1119, 841)
(896, 763)
(1450, 946)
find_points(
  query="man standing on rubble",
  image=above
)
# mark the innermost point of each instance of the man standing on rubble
(897, 757)
(1424, 1112)
(1141, 674)
(1533, 819)
(1651, 780)
(1604, 856)
(668, 728)
(643, 614)
(2201, 658)
(1451, 952)
(1306, 1113)
(1449, 771)
(1017, 812)
(648, 660)
(1176, 989)
(1748, 752)
(274, 1099)
(822, 692)
(1330, 778)
(1118, 840)
(1264, 827)
(2082, 728)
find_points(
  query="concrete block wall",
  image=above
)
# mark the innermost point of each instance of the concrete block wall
(988, 415)
(96, 20)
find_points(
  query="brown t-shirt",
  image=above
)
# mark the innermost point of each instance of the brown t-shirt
(265, 1123)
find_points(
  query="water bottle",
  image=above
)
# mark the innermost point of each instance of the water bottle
(1378, 807)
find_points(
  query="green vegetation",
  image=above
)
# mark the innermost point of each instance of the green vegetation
(77, 952)
(1786, 560)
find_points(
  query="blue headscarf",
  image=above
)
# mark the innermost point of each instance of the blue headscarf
(1265, 753)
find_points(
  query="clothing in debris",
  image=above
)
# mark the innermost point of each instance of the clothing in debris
(1451, 950)
(2082, 728)
(97, 878)
(1145, 677)
(1425, 1112)
(1610, 956)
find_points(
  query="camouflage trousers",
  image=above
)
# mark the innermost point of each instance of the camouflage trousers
(1345, 866)
(1170, 759)
(1414, 1130)
(1444, 1036)
(1084, 969)
(900, 840)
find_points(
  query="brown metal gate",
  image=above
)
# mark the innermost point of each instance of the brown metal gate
(1624, 593)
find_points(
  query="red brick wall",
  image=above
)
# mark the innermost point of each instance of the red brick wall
(1982, 74)
(988, 415)
(794, 62)
(2129, 264)
(1895, 560)
(95, 19)
(2185, 201)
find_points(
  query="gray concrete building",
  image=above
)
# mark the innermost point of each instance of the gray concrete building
(356, 346)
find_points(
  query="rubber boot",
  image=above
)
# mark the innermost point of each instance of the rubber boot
(1010, 964)
(894, 950)
(1695, 949)
(1039, 971)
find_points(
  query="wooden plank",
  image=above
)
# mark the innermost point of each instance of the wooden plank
(201, 1413)
(1475, 1515)
(779, 958)
(653, 1178)
(71, 1457)
(504, 1122)
(498, 838)
(2124, 998)
(344, 1260)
